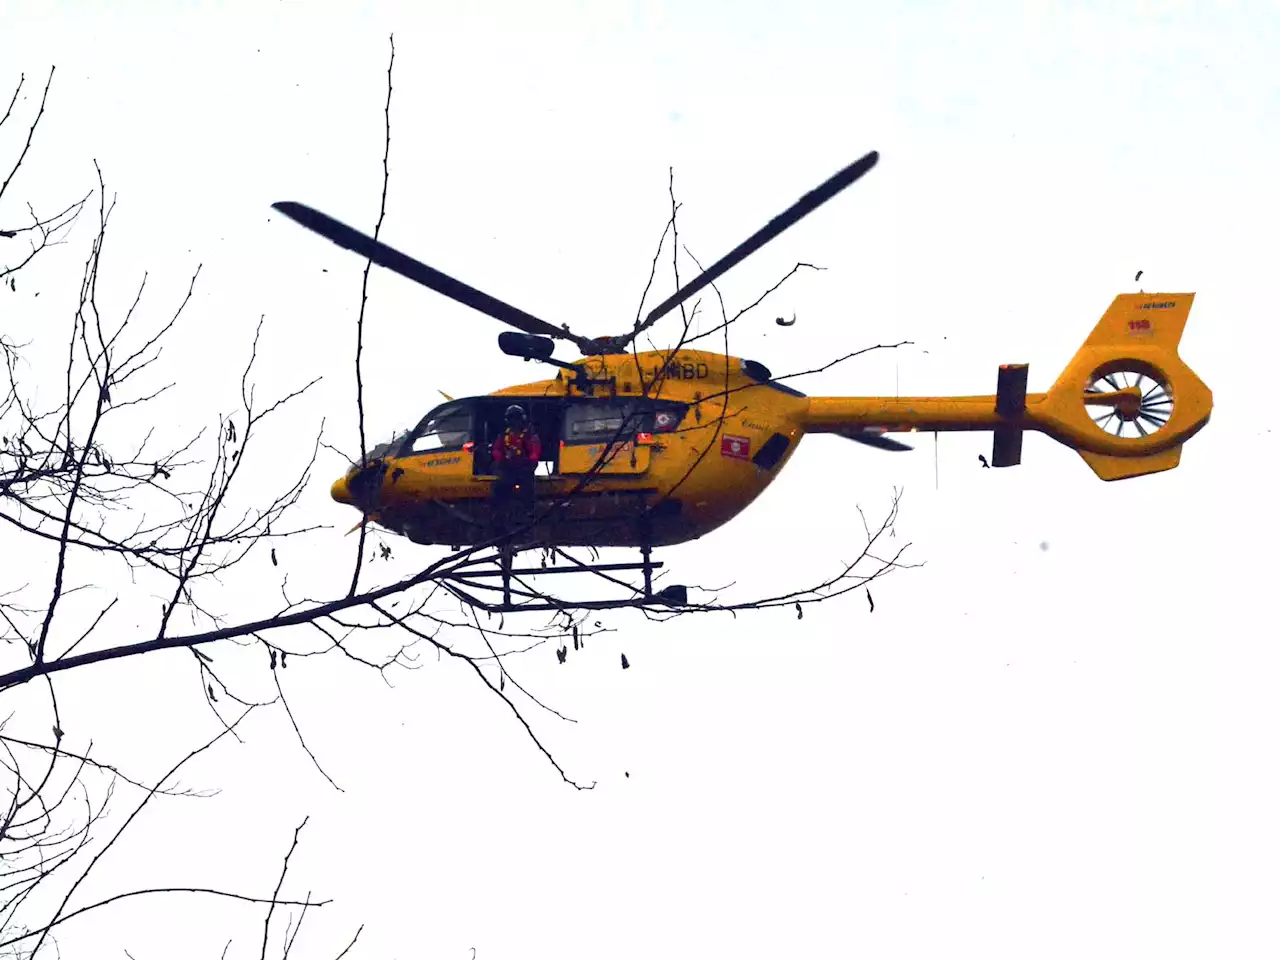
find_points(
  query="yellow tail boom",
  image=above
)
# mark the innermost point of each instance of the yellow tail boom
(1126, 402)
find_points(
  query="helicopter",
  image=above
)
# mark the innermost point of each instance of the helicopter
(656, 448)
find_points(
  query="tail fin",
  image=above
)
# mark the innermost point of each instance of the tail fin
(1132, 351)
(1153, 318)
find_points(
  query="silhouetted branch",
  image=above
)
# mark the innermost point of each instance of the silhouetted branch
(58, 914)
(79, 482)
(266, 927)
(364, 297)
(31, 131)
(44, 231)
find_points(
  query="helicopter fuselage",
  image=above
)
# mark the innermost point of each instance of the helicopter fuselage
(638, 449)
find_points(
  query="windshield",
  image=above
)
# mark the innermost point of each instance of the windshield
(387, 449)
(445, 428)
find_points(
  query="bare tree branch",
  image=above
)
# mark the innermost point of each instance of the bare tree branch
(364, 296)
(31, 131)
(85, 491)
(266, 927)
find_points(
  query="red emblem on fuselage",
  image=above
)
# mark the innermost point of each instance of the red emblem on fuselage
(736, 448)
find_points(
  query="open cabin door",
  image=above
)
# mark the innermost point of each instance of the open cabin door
(605, 436)
(490, 421)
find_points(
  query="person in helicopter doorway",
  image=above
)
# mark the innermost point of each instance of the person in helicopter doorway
(516, 453)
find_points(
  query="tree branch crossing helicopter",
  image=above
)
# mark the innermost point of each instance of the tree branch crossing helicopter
(654, 448)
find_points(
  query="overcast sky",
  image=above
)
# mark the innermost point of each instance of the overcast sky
(1056, 738)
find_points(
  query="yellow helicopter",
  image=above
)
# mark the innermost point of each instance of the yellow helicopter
(648, 449)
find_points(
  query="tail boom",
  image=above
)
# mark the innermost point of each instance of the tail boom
(840, 414)
(1136, 339)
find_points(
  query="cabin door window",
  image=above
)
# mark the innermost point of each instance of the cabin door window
(601, 436)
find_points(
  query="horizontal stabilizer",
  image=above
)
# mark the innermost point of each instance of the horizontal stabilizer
(874, 437)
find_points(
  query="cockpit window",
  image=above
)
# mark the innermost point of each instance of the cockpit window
(447, 428)
(388, 449)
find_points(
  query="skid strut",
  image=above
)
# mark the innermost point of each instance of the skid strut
(471, 580)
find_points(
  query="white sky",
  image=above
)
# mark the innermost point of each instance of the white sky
(1021, 752)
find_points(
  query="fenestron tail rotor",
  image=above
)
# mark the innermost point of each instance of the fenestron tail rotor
(1142, 403)
(380, 253)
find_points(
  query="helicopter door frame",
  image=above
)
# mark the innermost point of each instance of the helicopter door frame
(546, 414)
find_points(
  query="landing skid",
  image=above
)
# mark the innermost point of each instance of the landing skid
(465, 581)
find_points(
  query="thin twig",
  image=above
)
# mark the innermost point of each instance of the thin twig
(364, 297)
(266, 927)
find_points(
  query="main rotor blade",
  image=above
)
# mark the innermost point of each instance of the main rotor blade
(417, 271)
(801, 208)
